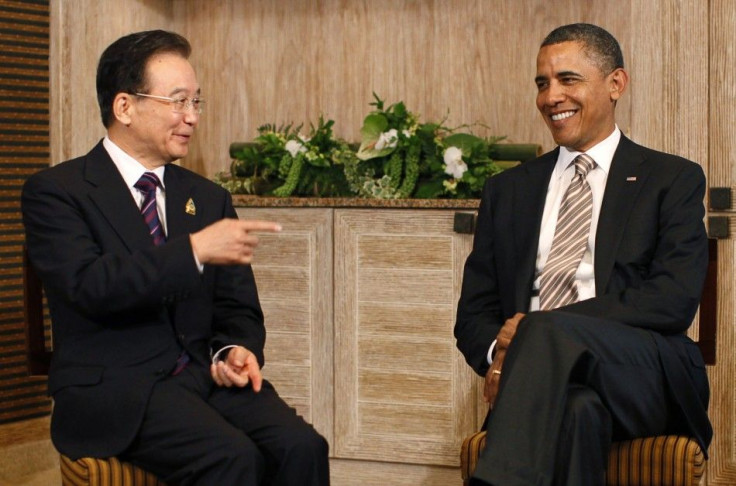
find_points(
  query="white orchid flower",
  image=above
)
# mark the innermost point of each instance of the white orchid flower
(294, 147)
(454, 164)
(387, 139)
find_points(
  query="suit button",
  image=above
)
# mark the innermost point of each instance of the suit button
(181, 338)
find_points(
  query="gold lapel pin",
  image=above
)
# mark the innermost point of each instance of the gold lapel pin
(190, 208)
(628, 179)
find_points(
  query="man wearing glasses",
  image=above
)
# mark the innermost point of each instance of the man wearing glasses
(158, 331)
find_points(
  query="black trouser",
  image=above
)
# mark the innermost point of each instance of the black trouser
(570, 385)
(196, 433)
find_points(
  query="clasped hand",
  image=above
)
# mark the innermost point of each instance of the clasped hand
(239, 368)
(493, 375)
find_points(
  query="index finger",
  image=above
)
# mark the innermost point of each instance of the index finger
(255, 379)
(259, 225)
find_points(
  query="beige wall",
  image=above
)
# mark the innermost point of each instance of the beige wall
(278, 61)
(292, 60)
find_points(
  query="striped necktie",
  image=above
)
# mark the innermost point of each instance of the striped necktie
(557, 286)
(147, 184)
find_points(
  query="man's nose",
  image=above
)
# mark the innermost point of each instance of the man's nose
(191, 117)
(554, 94)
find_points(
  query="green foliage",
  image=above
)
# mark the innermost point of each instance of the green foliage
(401, 157)
(398, 157)
(282, 162)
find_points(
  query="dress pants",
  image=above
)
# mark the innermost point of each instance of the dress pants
(571, 385)
(197, 433)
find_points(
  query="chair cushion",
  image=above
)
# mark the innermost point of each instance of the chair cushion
(668, 460)
(89, 471)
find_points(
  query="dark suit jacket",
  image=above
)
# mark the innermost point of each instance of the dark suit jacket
(122, 308)
(650, 261)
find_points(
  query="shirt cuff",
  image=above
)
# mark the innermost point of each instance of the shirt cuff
(491, 351)
(200, 267)
(216, 356)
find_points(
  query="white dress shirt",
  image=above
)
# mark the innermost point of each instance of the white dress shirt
(132, 170)
(562, 176)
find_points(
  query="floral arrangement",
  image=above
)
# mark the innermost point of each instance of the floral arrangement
(399, 157)
(282, 162)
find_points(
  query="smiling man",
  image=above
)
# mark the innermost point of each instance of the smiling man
(158, 331)
(586, 272)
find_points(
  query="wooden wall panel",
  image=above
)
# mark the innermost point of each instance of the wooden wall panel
(404, 392)
(293, 271)
(293, 60)
(24, 149)
(721, 139)
(722, 126)
(345, 472)
(668, 63)
(80, 31)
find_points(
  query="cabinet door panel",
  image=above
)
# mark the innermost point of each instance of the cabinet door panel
(403, 391)
(293, 272)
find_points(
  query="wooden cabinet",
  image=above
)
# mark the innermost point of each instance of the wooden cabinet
(360, 307)
(293, 272)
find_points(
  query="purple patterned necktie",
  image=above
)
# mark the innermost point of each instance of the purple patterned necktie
(147, 184)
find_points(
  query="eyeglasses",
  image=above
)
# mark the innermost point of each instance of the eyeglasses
(179, 105)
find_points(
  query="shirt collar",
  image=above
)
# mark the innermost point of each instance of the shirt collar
(129, 168)
(602, 153)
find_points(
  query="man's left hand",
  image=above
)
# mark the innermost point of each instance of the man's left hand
(239, 368)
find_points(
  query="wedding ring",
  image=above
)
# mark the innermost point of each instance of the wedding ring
(496, 372)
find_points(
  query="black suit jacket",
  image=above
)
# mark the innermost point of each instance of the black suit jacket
(123, 309)
(650, 261)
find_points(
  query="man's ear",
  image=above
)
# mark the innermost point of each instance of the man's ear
(122, 108)
(618, 81)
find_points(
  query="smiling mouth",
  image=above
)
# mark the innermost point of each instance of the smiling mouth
(562, 116)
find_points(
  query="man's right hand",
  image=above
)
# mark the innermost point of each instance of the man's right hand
(507, 332)
(503, 340)
(229, 241)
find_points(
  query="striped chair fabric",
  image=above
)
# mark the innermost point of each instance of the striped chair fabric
(669, 460)
(89, 471)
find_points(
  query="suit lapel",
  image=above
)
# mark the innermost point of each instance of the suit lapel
(627, 176)
(530, 193)
(182, 215)
(112, 196)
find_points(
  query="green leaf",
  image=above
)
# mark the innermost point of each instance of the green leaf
(373, 126)
(464, 141)
(429, 190)
(318, 161)
(400, 110)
